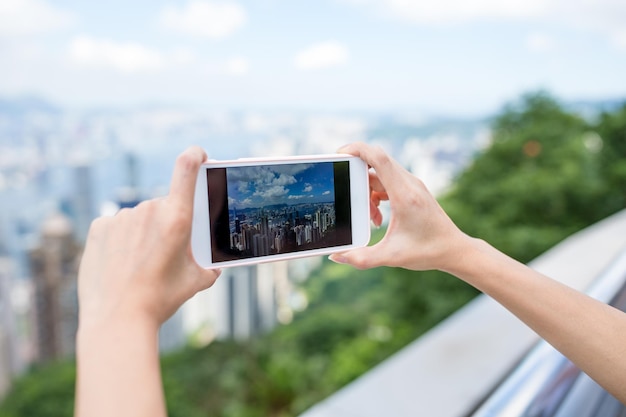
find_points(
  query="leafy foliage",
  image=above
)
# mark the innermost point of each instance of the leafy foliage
(547, 174)
(611, 128)
(46, 390)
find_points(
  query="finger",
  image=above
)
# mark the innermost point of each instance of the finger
(375, 183)
(183, 183)
(376, 198)
(386, 168)
(375, 214)
(362, 258)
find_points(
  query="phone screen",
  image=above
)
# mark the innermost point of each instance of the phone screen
(265, 210)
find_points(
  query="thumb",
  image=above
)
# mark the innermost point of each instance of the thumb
(362, 258)
(206, 278)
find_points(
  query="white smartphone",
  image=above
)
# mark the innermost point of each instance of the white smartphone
(259, 210)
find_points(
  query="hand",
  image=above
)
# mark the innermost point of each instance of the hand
(420, 235)
(138, 264)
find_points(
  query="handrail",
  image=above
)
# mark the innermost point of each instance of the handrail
(545, 376)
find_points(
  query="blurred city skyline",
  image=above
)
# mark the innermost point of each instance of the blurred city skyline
(447, 57)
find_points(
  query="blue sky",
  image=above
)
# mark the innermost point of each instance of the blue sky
(449, 56)
(291, 184)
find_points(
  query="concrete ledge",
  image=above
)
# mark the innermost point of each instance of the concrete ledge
(448, 370)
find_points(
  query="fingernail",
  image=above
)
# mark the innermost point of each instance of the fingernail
(340, 259)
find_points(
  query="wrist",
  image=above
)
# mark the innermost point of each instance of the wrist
(480, 264)
(118, 370)
(113, 329)
(462, 257)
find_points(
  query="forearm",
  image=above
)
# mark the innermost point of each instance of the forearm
(590, 333)
(118, 371)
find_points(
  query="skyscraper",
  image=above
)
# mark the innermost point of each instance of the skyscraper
(54, 268)
(8, 354)
(129, 195)
(254, 296)
(261, 245)
(83, 211)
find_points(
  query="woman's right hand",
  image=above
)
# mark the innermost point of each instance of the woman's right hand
(420, 235)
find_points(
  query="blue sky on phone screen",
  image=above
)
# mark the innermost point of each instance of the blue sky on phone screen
(255, 187)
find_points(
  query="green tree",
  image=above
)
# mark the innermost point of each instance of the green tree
(611, 146)
(537, 183)
(45, 391)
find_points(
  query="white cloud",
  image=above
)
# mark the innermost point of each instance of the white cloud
(454, 11)
(271, 192)
(601, 16)
(28, 17)
(210, 19)
(322, 55)
(540, 42)
(237, 66)
(619, 38)
(122, 57)
(307, 188)
(183, 56)
(284, 179)
(243, 186)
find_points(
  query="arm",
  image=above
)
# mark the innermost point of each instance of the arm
(590, 333)
(137, 270)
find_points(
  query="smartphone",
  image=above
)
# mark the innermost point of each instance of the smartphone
(253, 210)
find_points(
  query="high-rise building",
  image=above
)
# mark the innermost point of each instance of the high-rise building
(246, 237)
(129, 196)
(252, 301)
(300, 237)
(260, 245)
(54, 268)
(172, 332)
(132, 170)
(237, 225)
(244, 301)
(8, 353)
(83, 210)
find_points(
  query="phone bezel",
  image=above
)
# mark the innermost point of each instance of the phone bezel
(359, 209)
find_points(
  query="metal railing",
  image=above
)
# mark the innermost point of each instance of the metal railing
(547, 384)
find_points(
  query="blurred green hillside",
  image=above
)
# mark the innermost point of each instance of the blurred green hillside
(547, 174)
